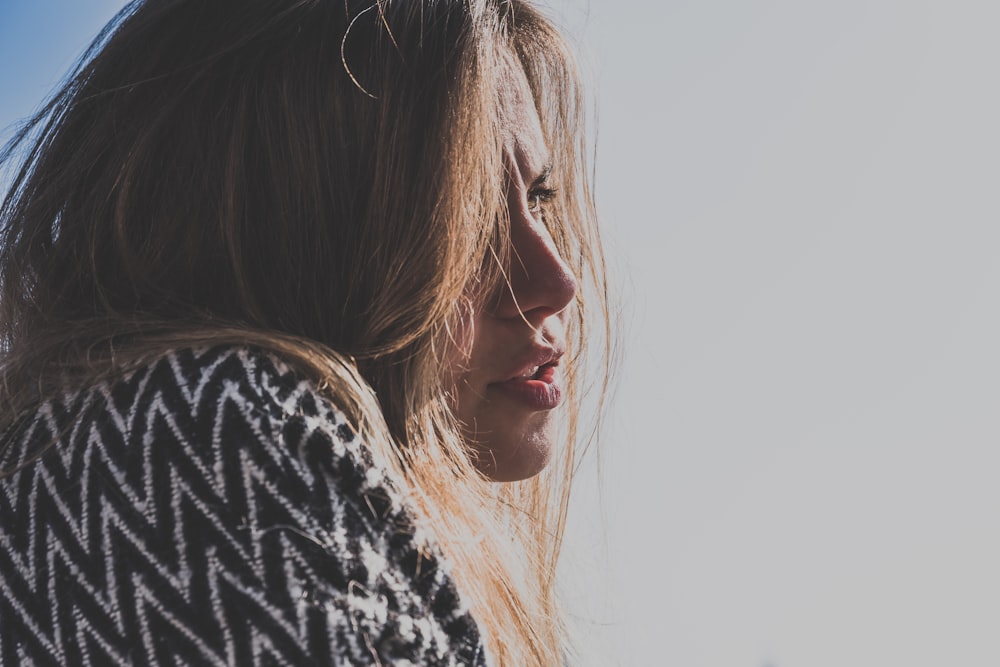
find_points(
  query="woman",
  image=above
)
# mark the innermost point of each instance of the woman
(287, 287)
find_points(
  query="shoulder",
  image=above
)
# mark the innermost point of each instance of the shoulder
(212, 506)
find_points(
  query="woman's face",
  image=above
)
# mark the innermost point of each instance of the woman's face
(511, 374)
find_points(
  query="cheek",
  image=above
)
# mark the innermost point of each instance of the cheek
(461, 338)
(457, 346)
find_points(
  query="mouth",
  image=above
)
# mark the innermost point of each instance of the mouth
(536, 386)
(544, 373)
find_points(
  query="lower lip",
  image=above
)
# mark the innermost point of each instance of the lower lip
(534, 394)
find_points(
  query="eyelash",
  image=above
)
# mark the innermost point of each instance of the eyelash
(539, 196)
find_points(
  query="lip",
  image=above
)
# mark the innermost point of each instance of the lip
(540, 394)
(538, 358)
(542, 390)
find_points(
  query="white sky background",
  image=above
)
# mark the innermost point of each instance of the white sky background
(803, 211)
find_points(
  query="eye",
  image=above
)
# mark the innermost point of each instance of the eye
(539, 196)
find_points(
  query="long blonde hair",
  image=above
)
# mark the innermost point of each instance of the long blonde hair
(322, 179)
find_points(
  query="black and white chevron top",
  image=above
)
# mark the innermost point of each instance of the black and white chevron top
(212, 508)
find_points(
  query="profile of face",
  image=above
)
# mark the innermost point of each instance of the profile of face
(509, 379)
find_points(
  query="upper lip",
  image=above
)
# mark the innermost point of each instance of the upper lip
(528, 364)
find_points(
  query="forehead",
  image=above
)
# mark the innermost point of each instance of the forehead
(521, 127)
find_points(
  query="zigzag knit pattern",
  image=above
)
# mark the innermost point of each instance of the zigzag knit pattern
(211, 508)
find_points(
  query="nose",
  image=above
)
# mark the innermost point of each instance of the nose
(541, 283)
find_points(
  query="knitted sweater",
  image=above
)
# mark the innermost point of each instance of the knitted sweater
(211, 508)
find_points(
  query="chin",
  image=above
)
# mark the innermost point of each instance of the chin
(515, 459)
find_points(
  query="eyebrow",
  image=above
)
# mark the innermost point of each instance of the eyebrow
(542, 177)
